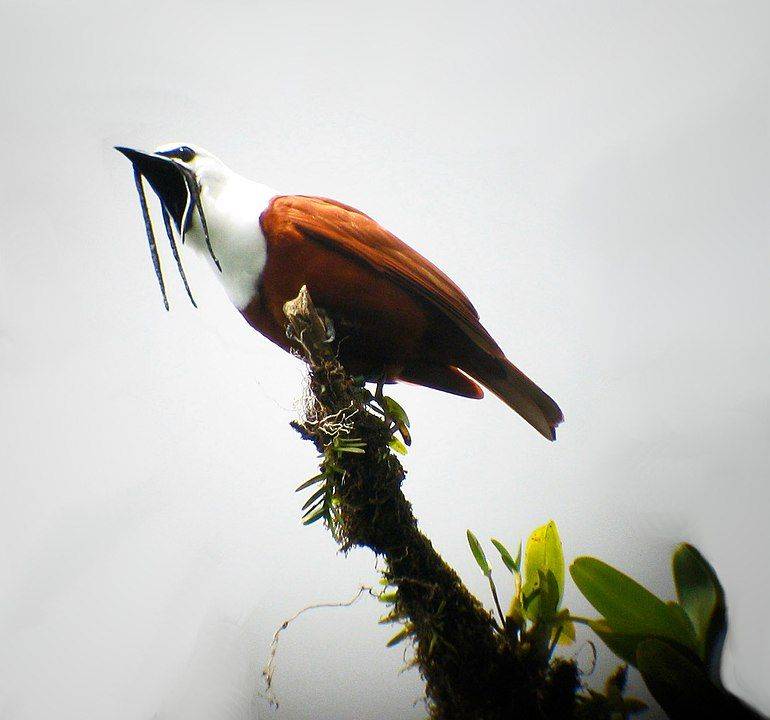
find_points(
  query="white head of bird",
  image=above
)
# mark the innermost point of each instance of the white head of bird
(214, 208)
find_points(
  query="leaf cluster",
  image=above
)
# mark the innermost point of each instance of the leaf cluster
(324, 501)
(677, 644)
(322, 504)
(536, 620)
(534, 617)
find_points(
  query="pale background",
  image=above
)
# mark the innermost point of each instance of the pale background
(595, 175)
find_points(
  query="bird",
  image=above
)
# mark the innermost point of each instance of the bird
(396, 316)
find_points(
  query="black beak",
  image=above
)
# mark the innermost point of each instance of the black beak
(165, 178)
(175, 190)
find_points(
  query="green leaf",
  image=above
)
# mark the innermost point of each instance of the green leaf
(508, 561)
(347, 443)
(314, 515)
(628, 608)
(478, 553)
(567, 633)
(516, 610)
(544, 554)
(679, 683)
(312, 481)
(622, 644)
(317, 504)
(701, 596)
(402, 634)
(433, 643)
(395, 410)
(679, 616)
(396, 445)
(527, 599)
(315, 496)
(348, 440)
(549, 600)
(404, 432)
(543, 602)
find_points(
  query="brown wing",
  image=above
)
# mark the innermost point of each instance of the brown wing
(322, 227)
(351, 232)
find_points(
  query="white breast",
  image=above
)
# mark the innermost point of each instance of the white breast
(232, 209)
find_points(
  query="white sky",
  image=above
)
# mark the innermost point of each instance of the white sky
(594, 175)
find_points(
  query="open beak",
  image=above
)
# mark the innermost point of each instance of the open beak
(176, 192)
(165, 178)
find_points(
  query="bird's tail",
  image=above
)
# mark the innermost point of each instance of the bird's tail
(517, 391)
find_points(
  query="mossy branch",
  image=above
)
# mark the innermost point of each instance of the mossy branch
(472, 667)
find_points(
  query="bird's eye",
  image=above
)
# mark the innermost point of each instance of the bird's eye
(183, 153)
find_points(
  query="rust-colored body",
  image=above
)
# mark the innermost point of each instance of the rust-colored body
(394, 312)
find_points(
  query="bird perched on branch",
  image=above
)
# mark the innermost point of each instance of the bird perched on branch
(396, 315)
